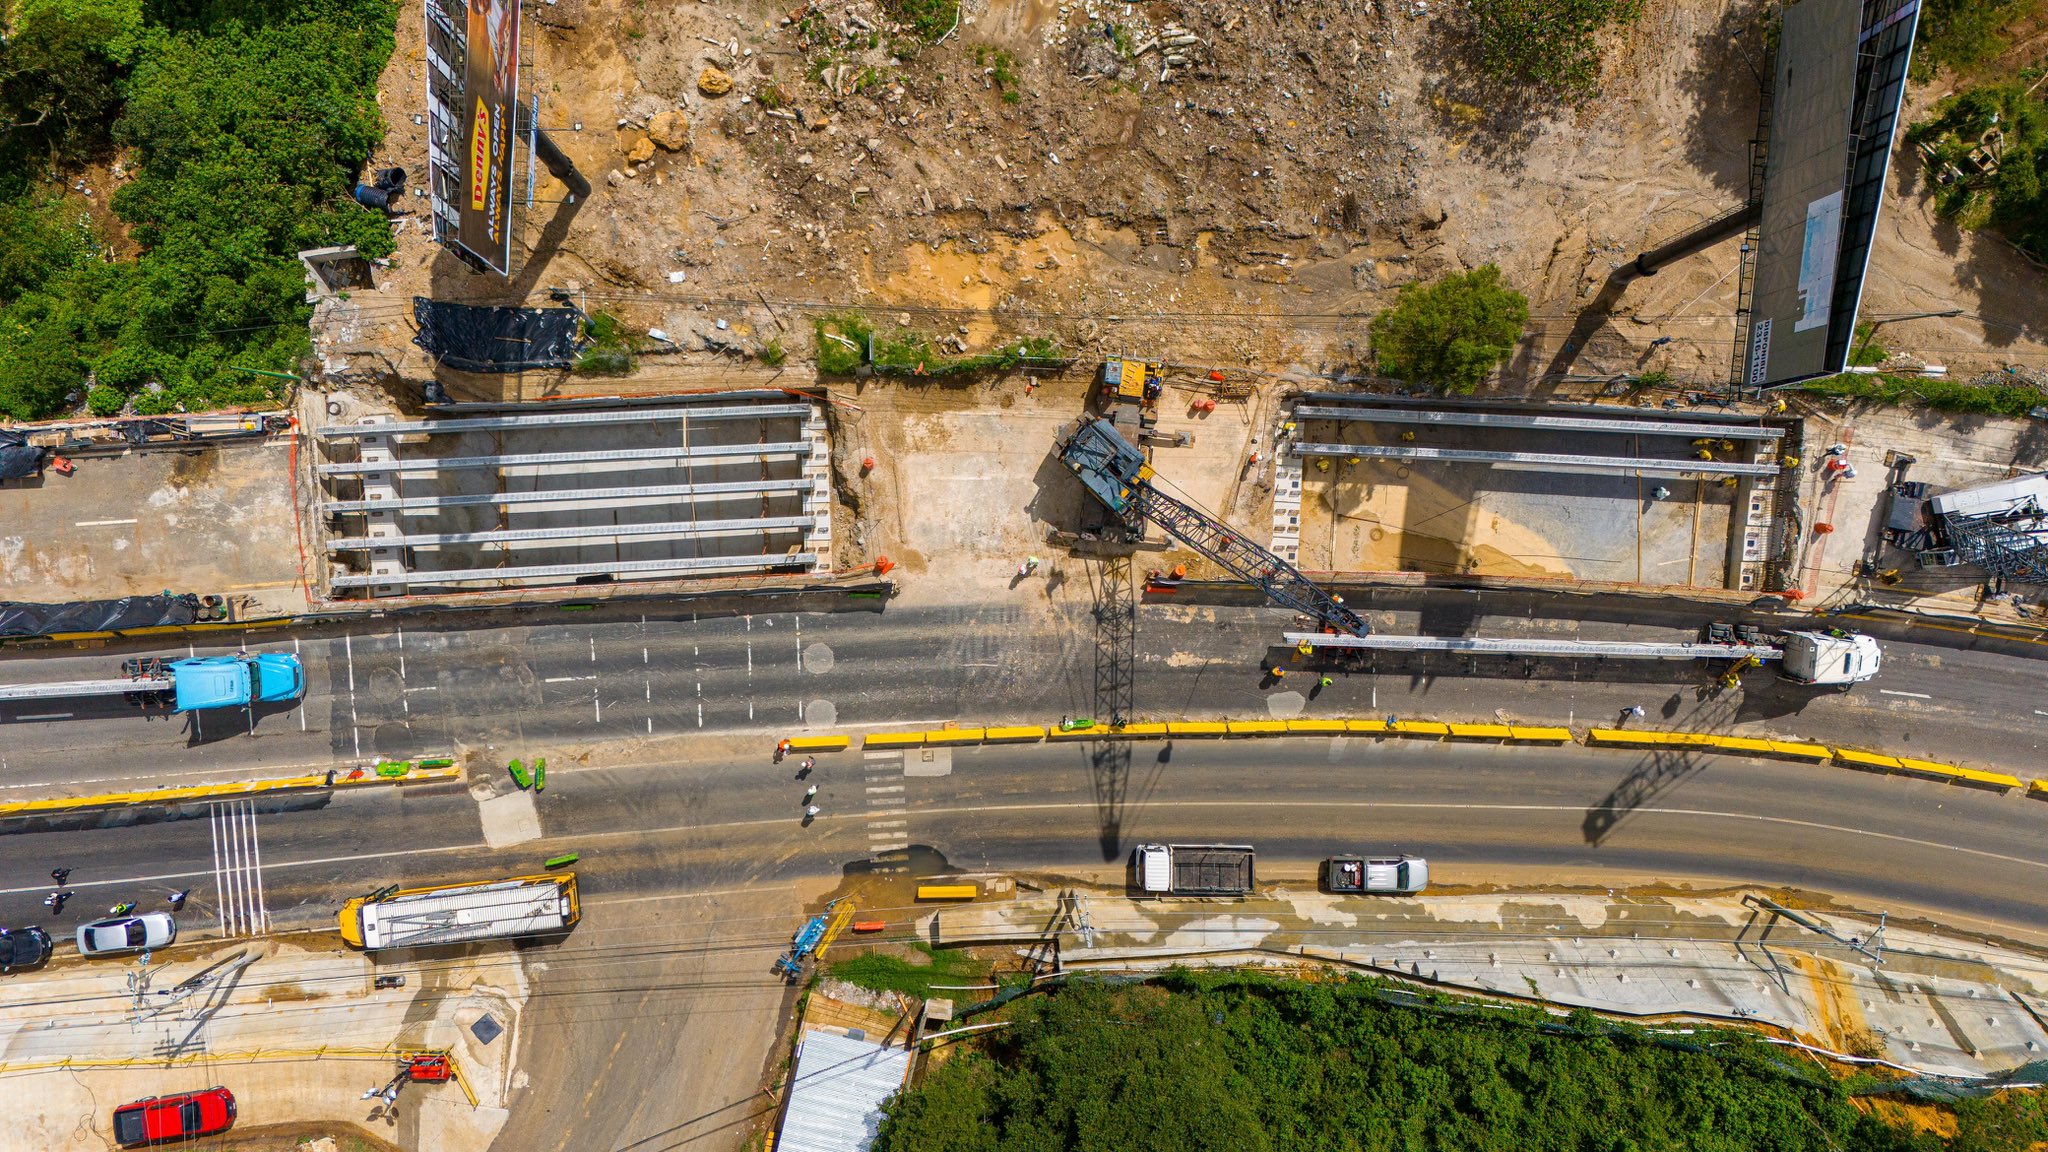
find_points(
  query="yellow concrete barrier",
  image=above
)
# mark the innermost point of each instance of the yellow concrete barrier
(1989, 779)
(1540, 735)
(1801, 750)
(1741, 744)
(893, 740)
(1258, 728)
(945, 737)
(1653, 739)
(1861, 759)
(1020, 735)
(1197, 728)
(1481, 732)
(2038, 789)
(160, 795)
(947, 891)
(1147, 731)
(1936, 770)
(819, 743)
(1372, 727)
(1095, 733)
(1421, 728)
(1315, 727)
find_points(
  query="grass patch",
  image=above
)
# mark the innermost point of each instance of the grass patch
(608, 347)
(927, 19)
(1001, 68)
(2003, 398)
(848, 340)
(882, 973)
(773, 353)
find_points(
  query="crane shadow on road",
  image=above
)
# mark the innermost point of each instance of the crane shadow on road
(1658, 773)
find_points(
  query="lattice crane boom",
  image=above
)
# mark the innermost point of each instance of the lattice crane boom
(1115, 471)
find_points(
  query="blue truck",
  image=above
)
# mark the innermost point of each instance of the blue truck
(193, 684)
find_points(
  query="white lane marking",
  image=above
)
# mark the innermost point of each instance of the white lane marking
(256, 869)
(2038, 712)
(1914, 695)
(566, 679)
(348, 647)
(46, 716)
(100, 523)
(220, 902)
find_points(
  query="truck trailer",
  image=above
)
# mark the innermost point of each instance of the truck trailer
(1193, 869)
(193, 684)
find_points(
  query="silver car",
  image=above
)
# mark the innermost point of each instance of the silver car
(126, 934)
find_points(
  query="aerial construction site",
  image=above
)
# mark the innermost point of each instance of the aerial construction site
(917, 574)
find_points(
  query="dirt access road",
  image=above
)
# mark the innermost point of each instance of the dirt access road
(1032, 174)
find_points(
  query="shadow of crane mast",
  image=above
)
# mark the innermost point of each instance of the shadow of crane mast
(1116, 634)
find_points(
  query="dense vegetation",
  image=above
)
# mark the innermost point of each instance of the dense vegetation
(1958, 36)
(1248, 1063)
(2001, 397)
(1452, 333)
(1970, 187)
(1549, 48)
(243, 124)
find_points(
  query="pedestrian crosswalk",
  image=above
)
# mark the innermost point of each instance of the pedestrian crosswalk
(888, 826)
(238, 870)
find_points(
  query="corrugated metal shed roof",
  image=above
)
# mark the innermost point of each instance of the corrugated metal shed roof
(835, 1105)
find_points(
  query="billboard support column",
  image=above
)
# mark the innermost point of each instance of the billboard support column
(558, 162)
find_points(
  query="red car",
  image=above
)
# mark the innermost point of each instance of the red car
(160, 1119)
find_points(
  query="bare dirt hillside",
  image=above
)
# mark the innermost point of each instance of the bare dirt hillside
(1222, 183)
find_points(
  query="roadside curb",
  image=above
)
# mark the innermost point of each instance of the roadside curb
(1599, 738)
(427, 771)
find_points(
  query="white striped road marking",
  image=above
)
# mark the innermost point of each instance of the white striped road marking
(881, 755)
(874, 788)
(238, 869)
(887, 823)
(1914, 695)
(100, 523)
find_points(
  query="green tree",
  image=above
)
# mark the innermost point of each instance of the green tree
(41, 238)
(1452, 333)
(1958, 35)
(61, 64)
(1549, 46)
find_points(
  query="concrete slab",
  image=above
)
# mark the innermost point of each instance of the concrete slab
(1381, 516)
(211, 520)
(509, 819)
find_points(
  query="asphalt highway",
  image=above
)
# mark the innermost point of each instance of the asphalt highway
(573, 682)
(729, 819)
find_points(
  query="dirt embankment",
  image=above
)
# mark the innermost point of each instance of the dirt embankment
(1219, 183)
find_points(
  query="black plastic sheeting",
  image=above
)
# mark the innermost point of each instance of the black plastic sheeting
(19, 460)
(474, 338)
(97, 615)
